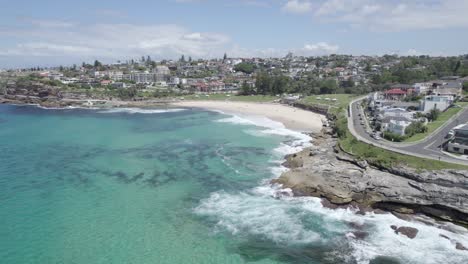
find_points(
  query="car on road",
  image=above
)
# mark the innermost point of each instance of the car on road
(376, 136)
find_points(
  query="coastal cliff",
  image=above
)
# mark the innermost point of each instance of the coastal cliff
(326, 171)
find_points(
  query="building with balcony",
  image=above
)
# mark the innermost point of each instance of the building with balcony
(459, 142)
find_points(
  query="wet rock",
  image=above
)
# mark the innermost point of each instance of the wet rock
(394, 227)
(459, 246)
(327, 204)
(356, 225)
(410, 232)
(293, 161)
(360, 234)
(444, 236)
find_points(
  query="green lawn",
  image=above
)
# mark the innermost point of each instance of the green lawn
(342, 100)
(232, 97)
(432, 126)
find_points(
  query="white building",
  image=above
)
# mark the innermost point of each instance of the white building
(69, 80)
(421, 88)
(459, 143)
(440, 103)
(115, 75)
(55, 75)
(141, 77)
(162, 69)
(397, 126)
(175, 80)
(396, 112)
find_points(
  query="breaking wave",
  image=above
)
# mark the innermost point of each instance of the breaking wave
(295, 141)
(271, 213)
(140, 111)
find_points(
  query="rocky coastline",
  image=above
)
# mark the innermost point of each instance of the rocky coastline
(342, 181)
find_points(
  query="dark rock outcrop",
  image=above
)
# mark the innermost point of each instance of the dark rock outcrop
(460, 246)
(410, 232)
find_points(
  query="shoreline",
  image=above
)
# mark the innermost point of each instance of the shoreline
(292, 118)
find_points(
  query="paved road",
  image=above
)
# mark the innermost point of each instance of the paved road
(428, 148)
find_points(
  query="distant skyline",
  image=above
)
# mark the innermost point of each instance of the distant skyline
(52, 32)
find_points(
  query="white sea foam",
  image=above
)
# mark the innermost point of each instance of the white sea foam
(272, 213)
(250, 214)
(297, 141)
(58, 108)
(140, 110)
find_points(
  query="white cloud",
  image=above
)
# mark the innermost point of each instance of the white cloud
(79, 42)
(312, 49)
(297, 6)
(116, 41)
(320, 48)
(397, 15)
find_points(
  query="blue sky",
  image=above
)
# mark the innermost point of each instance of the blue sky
(52, 32)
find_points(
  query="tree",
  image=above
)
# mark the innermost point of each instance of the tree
(433, 115)
(246, 89)
(97, 64)
(368, 67)
(245, 67)
(263, 83)
(465, 86)
(415, 128)
(457, 67)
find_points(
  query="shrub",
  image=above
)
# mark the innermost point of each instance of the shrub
(393, 137)
(415, 128)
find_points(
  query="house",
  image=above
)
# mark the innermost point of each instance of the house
(395, 94)
(396, 125)
(431, 102)
(421, 88)
(443, 88)
(105, 82)
(119, 85)
(459, 143)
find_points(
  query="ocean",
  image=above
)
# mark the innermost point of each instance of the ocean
(176, 186)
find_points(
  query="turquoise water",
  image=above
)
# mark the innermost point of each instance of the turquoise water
(156, 186)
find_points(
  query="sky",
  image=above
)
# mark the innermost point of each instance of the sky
(60, 32)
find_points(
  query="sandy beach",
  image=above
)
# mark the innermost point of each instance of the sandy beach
(292, 118)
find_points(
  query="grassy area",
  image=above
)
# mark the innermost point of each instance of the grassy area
(385, 157)
(342, 100)
(389, 158)
(432, 126)
(227, 97)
